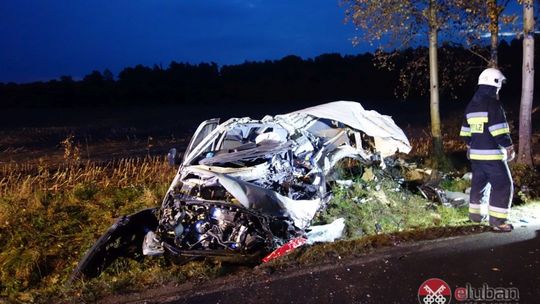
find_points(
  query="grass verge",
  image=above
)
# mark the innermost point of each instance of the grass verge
(50, 216)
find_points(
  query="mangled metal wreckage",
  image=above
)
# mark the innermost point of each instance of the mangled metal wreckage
(246, 186)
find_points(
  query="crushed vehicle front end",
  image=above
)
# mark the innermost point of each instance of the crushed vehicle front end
(246, 186)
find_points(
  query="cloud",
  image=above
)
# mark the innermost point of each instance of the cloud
(501, 34)
(505, 34)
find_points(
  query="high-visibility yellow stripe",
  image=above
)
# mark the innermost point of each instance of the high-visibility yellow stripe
(463, 133)
(500, 131)
(476, 120)
(486, 157)
(498, 214)
(474, 210)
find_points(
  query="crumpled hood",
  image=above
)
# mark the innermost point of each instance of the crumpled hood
(389, 138)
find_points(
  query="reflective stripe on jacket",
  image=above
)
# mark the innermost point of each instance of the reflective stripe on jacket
(485, 129)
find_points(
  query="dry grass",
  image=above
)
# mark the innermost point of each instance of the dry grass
(23, 179)
(49, 216)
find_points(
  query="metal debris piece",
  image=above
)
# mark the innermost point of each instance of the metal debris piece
(326, 233)
(284, 249)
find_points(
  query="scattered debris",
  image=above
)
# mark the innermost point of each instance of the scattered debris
(467, 176)
(326, 233)
(246, 187)
(285, 249)
(457, 199)
(441, 196)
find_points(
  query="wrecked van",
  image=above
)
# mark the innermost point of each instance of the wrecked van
(245, 187)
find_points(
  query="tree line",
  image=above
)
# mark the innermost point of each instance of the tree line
(290, 79)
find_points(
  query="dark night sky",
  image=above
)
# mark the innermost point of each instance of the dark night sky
(42, 40)
(45, 39)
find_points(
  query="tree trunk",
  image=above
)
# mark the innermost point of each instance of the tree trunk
(493, 13)
(436, 135)
(527, 86)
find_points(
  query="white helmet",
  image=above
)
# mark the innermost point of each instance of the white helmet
(492, 77)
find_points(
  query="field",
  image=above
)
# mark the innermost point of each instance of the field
(66, 175)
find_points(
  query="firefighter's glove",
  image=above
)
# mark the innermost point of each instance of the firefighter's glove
(510, 154)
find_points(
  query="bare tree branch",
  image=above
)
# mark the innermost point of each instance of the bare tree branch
(487, 60)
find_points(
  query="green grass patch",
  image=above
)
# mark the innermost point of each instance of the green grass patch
(383, 206)
(455, 184)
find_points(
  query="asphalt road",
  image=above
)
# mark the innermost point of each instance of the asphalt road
(391, 275)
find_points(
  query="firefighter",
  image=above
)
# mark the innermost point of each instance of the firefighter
(489, 148)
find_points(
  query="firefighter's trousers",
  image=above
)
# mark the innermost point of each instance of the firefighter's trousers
(496, 173)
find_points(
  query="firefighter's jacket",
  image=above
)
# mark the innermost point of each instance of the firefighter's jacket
(485, 129)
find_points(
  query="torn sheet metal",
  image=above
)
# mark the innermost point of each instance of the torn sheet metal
(246, 187)
(390, 137)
